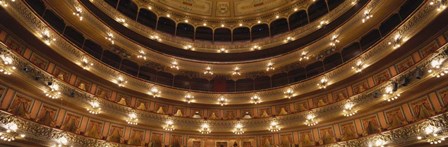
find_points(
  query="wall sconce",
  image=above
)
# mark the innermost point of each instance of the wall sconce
(3, 3)
(53, 91)
(189, 98)
(78, 13)
(440, 4)
(174, 65)
(396, 42)
(155, 37)
(436, 66)
(304, 56)
(322, 24)
(334, 40)
(366, 16)
(205, 129)
(61, 141)
(222, 101)
(94, 107)
(270, 67)
(431, 134)
(120, 81)
(169, 125)
(359, 66)
(239, 129)
(6, 65)
(208, 71)
(46, 37)
(377, 143)
(85, 64)
(289, 93)
(110, 37)
(11, 132)
(141, 55)
(255, 99)
(274, 127)
(236, 72)
(222, 50)
(310, 119)
(255, 47)
(389, 92)
(154, 92)
(348, 109)
(189, 47)
(132, 118)
(122, 21)
(323, 83)
(288, 39)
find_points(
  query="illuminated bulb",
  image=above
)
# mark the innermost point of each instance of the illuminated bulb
(3, 3)
(255, 99)
(122, 21)
(437, 68)
(186, 20)
(295, 9)
(189, 47)
(222, 25)
(255, 47)
(240, 24)
(440, 4)
(208, 71)
(277, 16)
(222, 101)
(168, 15)
(259, 21)
(62, 141)
(204, 24)
(348, 109)
(288, 39)
(274, 127)
(149, 8)
(334, 40)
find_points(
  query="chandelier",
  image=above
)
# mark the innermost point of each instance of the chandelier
(222, 101)
(169, 125)
(289, 93)
(239, 129)
(304, 56)
(274, 127)
(255, 99)
(53, 91)
(432, 135)
(132, 118)
(189, 98)
(348, 109)
(10, 134)
(61, 141)
(440, 4)
(255, 47)
(122, 21)
(396, 42)
(205, 129)
(174, 65)
(155, 37)
(208, 71)
(189, 47)
(222, 50)
(6, 64)
(367, 15)
(94, 107)
(154, 92)
(310, 121)
(322, 24)
(437, 68)
(389, 93)
(334, 40)
(288, 39)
